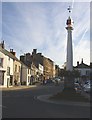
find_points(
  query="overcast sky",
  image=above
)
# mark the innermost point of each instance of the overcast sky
(41, 25)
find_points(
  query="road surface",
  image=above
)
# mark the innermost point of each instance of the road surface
(24, 104)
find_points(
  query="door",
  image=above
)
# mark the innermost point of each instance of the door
(11, 80)
(1, 78)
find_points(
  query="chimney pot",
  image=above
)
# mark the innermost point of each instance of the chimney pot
(34, 51)
(11, 51)
(77, 63)
(82, 60)
(2, 44)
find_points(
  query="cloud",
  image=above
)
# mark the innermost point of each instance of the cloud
(42, 25)
(82, 51)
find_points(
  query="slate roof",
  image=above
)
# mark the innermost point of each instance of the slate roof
(12, 56)
(82, 65)
(9, 54)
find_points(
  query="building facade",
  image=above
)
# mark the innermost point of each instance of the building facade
(6, 67)
(16, 69)
(48, 68)
(25, 74)
(84, 70)
(44, 65)
(10, 67)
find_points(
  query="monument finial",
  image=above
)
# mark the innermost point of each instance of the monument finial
(69, 9)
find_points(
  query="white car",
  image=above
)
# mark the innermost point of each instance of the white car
(87, 87)
(56, 80)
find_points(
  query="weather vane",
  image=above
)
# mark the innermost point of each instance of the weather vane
(69, 9)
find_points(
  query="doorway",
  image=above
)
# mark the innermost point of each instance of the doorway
(1, 78)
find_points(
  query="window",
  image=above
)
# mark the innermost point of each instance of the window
(15, 68)
(19, 68)
(1, 62)
(28, 71)
(8, 71)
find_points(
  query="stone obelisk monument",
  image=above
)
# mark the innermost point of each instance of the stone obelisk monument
(69, 62)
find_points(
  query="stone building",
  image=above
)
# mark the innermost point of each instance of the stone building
(16, 68)
(45, 66)
(10, 67)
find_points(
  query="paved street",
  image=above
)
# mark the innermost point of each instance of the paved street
(23, 103)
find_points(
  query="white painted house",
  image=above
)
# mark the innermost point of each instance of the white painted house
(10, 67)
(25, 74)
(6, 67)
(40, 68)
(84, 69)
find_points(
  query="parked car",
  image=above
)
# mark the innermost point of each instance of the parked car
(76, 83)
(57, 79)
(87, 86)
(77, 86)
(49, 81)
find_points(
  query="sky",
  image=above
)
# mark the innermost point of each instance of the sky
(41, 25)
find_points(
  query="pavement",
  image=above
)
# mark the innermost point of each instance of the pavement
(16, 87)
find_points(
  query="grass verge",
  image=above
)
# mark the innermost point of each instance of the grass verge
(69, 95)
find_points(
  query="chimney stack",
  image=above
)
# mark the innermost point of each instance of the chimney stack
(39, 54)
(82, 61)
(2, 44)
(77, 63)
(34, 52)
(11, 51)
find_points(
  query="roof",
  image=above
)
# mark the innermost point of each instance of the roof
(9, 54)
(82, 65)
(25, 65)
